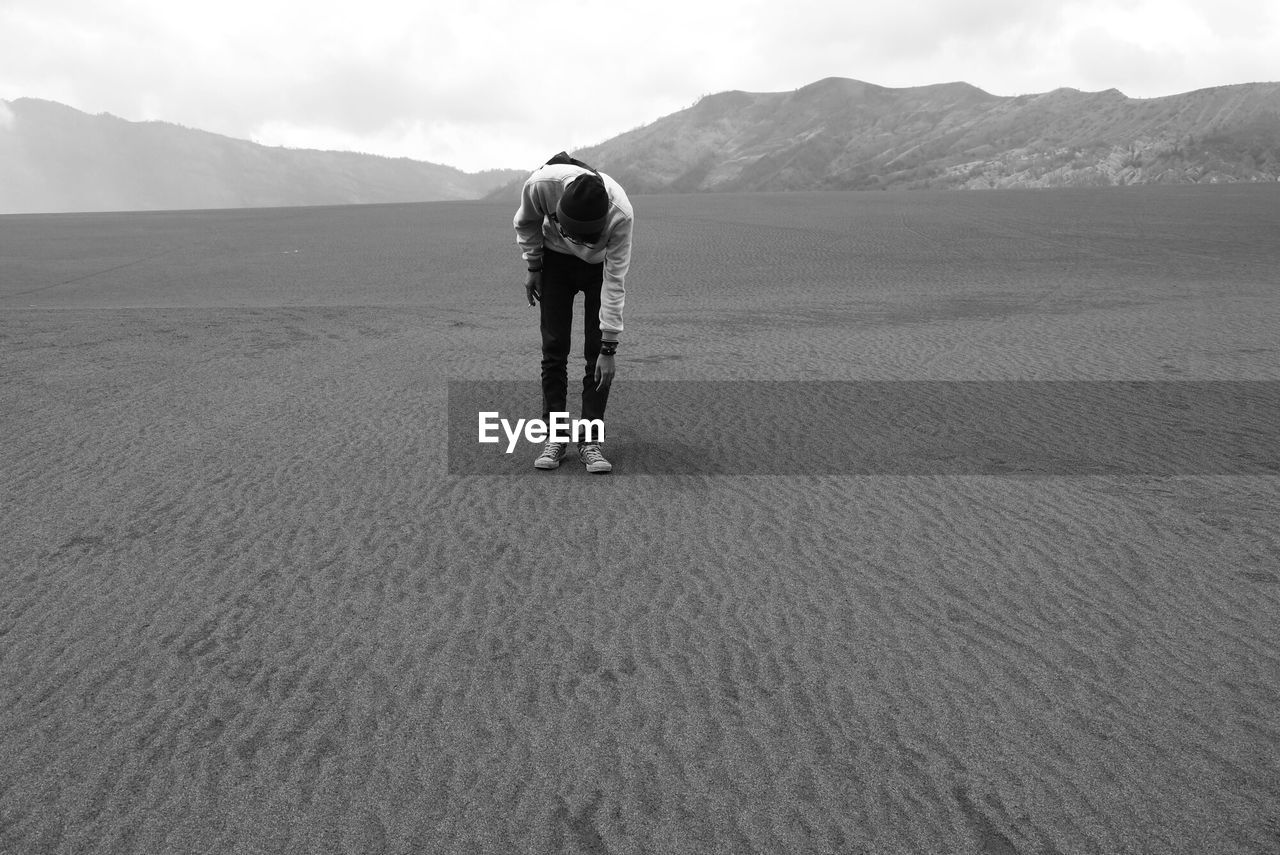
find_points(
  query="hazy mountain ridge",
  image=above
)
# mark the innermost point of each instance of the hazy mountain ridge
(840, 134)
(57, 158)
(835, 134)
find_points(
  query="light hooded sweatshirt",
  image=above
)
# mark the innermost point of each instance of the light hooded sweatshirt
(535, 231)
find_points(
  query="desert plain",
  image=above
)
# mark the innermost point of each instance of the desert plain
(252, 604)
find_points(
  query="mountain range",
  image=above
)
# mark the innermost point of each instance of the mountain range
(56, 158)
(841, 134)
(835, 134)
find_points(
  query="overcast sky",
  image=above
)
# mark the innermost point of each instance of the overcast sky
(478, 84)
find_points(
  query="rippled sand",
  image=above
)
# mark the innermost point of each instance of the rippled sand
(247, 608)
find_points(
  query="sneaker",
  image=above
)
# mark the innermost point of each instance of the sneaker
(589, 453)
(551, 455)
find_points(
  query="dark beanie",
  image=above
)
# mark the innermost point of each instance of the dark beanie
(584, 206)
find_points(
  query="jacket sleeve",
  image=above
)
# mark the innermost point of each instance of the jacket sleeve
(617, 258)
(528, 221)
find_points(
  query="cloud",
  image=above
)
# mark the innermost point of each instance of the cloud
(507, 82)
(1107, 61)
(1148, 48)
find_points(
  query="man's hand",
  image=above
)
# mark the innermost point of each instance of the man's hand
(605, 369)
(533, 286)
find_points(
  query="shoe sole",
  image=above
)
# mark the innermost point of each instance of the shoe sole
(546, 464)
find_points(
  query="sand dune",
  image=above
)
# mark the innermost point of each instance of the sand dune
(250, 607)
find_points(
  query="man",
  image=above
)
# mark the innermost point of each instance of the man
(574, 227)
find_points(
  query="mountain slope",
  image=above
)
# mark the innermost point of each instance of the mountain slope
(56, 158)
(847, 134)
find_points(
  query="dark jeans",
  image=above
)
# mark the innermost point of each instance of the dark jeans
(563, 276)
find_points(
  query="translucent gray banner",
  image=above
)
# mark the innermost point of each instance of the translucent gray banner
(896, 427)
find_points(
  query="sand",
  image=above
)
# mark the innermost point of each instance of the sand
(250, 607)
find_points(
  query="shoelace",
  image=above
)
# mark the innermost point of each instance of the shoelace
(553, 450)
(591, 454)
